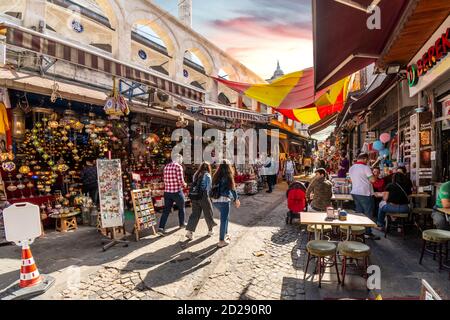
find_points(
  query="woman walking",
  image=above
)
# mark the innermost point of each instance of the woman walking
(201, 202)
(224, 191)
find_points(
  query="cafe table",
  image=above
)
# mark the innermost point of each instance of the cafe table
(340, 198)
(320, 219)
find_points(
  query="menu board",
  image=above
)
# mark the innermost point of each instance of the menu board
(144, 212)
(110, 188)
(425, 143)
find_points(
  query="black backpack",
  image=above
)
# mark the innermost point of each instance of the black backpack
(196, 191)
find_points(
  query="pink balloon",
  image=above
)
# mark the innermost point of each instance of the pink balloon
(385, 137)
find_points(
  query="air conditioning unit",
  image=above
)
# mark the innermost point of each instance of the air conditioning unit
(162, 100)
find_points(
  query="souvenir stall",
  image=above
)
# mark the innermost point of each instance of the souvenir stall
(151, 151)
(50, 141)
(47, 140)
(246, 179)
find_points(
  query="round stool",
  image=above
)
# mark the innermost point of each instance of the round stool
(321, 249)
(353, 250)
(312, 229)
(435, 237)
(355, 232)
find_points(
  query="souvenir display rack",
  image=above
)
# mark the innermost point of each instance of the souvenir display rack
(144, 211)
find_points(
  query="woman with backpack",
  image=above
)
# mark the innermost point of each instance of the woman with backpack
(223, 193)
(199, 195)
(395, 198)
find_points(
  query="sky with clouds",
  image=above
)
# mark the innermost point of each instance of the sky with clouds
(256, 32)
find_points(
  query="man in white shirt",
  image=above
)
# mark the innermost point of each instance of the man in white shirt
(362, 189)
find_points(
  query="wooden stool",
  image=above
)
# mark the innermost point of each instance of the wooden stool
(321, 249)
(435, 237)
(403, 217)
(353, 250)
(64, 224)
(356, 233)
(312, 229)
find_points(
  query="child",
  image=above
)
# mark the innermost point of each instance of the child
(296, 200)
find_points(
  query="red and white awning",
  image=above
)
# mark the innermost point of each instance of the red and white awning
(236, 114)
(52, 47)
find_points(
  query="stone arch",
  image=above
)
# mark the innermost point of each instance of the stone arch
(223, 99)
(203, 54)
(232, 73)
(112, 10)
(159, 26)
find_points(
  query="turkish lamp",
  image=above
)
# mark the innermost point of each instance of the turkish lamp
(18, 124)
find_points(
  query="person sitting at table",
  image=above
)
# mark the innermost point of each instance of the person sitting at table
(442, 202)
(322, 189)
(395, 198)
(402, 170)
(378, 186)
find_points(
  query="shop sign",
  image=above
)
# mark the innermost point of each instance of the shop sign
(431, 61)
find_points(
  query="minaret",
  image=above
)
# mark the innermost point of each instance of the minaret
(185, 12)
(278, 73)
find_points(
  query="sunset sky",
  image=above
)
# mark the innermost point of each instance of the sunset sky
(256, 32)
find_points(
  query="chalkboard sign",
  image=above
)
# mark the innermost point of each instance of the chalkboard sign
(110, 188)
(144, 212)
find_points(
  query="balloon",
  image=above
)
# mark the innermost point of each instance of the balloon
(378, 145)
(385, 137)
(384, 153)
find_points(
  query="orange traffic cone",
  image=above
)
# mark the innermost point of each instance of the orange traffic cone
(29, 273)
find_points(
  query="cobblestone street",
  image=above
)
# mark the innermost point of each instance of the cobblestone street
(261, 263)
(265, 260)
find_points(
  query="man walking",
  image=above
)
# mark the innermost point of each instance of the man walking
(362, 190)
(173, 192)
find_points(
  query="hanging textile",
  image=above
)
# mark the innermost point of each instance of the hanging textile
(293, 96)
(294, 90)
(4, 122)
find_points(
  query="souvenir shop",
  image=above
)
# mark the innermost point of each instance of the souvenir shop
(45, 143)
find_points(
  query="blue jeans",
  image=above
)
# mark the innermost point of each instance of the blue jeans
(169, 199)
(224, 209)
(364, 204)
(398, 208)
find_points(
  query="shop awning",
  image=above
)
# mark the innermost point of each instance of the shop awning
(343, 42)
(230, 113)
(38, 85)
(363, 101)
(366, 101)
(59, 49)
(323, 124)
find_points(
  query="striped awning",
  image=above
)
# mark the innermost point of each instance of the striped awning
(52, 47)
(323, 124)
(235, 114)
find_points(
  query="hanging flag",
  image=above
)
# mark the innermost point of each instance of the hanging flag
(294, 90)
(329, 103)
(293, 96)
